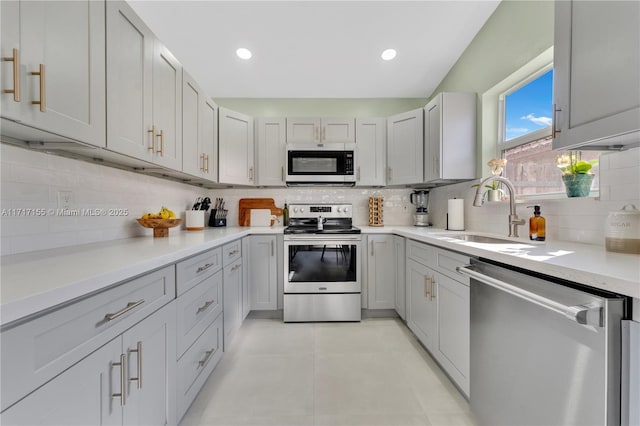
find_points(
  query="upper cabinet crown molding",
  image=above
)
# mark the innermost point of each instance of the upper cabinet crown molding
(596, 74)
(320, 130)
(44, 90)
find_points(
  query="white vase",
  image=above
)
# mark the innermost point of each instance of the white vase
(494, 195)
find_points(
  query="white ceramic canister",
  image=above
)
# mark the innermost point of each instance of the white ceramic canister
(622, 230)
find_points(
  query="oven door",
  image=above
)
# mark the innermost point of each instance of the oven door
(327, 264)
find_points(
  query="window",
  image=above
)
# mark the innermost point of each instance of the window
(525, 136)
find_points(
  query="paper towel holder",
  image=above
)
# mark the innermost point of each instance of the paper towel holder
(457, 228)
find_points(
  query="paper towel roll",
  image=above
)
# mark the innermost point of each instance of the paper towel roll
(455, 214)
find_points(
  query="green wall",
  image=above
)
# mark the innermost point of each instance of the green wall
(325, 107)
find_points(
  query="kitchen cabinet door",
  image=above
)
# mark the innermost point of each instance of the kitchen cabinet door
(399, 254)
(236, 162)
(320, 130)
(167, 108)
(422, 312)
(199, 131)
(453, 343)
(450, 138)
(150, 354)
(262, 267)
(232, 301)
(381, 272)
(596, 73)
(271, 142)
(371, 151)
(405, 148)
(64, 43)
(81, 395)
(130, 45)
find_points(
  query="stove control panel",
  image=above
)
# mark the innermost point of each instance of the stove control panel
(320, 210)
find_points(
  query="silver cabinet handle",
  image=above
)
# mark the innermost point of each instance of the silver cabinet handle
(15, 58)
(272, 248)
(138, 352)
(389, 178)
(233, 252)
(358, 173)
(282, 172)
(250, 173)
(129, 307)
(204, 268)
(207, 355)
(582, 314)
(236, 267)
(123, 379)
(205, 306)
(554, 121)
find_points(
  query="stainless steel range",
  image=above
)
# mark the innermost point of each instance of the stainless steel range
(321, 264)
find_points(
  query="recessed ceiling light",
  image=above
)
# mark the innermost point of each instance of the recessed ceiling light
(388, 54)
(243, 53)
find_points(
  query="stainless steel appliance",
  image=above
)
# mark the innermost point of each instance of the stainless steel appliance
(420, 199)
(321, 264)
(321, 164)
(542, 352)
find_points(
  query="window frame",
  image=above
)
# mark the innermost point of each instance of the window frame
(529, 137)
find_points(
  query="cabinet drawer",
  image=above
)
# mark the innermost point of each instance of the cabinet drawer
(36, 351)
(197, 309)
(193, 270)
(446, 262)
(196, 365)
(421, 253)
(231, 252)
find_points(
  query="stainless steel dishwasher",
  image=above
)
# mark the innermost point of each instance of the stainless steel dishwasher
(542, 353)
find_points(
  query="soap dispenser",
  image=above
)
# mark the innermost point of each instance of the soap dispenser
(536, 225)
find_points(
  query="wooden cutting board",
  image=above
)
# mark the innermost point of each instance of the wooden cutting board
(246, 204)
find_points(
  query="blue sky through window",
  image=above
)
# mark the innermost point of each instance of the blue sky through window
(529, 108)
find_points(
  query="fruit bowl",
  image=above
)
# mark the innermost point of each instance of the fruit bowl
(160, 226)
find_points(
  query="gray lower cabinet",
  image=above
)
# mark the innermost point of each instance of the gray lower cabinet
(438, 307)
(107, 386)
(232, 290)
(262, 266)
(381, 272)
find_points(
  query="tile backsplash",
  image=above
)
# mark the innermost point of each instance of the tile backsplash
(32, 180)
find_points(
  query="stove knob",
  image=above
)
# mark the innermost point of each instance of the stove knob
(346, 209)
(301, 209)
(339, 209)
(295, 210)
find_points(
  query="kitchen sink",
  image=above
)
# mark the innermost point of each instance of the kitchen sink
(481, 239)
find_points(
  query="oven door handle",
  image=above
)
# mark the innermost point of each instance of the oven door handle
(582, 314)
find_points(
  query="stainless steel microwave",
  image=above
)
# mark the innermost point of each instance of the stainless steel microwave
(321, 164)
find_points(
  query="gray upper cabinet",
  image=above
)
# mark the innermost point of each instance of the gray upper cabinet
(271, 141)
(53, 67)
(199, 131)
(236, 148)
(596, 73)
(371, 145)
(320, 130)
(144, 91)
(450, 138)
(405, 148)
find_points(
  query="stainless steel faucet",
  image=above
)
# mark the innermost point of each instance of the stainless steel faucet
(514, 221)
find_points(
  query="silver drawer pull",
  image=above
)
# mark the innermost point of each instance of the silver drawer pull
(233, 253)
(130, 306)
(236, 267)
(207, 355)
(204, 268)
(205, 306)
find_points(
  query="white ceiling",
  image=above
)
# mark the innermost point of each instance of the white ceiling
(316, 49)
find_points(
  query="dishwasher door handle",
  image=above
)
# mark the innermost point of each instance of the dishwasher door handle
(588, 314)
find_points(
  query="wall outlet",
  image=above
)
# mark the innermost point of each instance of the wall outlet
(65, 200)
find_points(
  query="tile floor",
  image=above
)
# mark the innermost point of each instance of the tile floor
(369, 373)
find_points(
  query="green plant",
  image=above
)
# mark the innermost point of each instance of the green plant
(571, 163)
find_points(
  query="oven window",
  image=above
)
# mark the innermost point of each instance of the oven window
(314, 165)
(322, 263)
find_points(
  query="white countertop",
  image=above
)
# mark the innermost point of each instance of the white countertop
(33, 282)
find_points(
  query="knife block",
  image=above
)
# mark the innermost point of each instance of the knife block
(216, 223)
